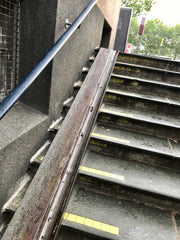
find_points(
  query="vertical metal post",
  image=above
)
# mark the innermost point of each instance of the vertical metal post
(138, 44)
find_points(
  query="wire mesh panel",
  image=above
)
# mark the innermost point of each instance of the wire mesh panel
(9, 35)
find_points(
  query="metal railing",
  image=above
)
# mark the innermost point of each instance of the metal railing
(18, 91)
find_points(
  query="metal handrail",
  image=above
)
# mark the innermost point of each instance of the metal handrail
(18, 91)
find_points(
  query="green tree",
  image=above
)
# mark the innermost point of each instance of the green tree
(154, 31)
(133, 33)
(139, 6)
(151, 39)
(174, 41)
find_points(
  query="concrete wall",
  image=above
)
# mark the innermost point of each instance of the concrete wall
(42, 23)
(111, 11)
(68, 63)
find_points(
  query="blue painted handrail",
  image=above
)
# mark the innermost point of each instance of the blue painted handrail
(18, 91)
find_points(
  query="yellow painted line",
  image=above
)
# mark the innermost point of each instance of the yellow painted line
(102, 173)
(42, 158)
(115, 112)
(109, 138)
(91, 223)
(134, 84)
(130, 69)
(120, 92)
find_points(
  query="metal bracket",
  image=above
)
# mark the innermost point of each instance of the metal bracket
(68, 24)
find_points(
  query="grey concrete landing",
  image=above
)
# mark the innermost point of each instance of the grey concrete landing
(132, 221)
(136, 140)
(144, 96)
(140, 115)
(131, 174)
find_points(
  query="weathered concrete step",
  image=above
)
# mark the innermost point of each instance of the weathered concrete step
(15, 200)
(144, 96)
(140, 115)
(146, 122)
(38, 157)
(145, 86)
(147, 67)
(136, 140)
(133, 80)
(115, 218)
(135, 154)
(150, 61)
(55, 126)
(142, 101)
(147, 73)
(133, 174)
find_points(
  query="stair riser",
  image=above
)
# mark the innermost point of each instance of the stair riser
(144, 73)
(144, 87)
(134, 154)
(139, 126)
(142, 104)
(127, 193)
(68, 233)
(150, 62)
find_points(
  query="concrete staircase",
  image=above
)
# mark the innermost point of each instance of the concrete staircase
(128, 183)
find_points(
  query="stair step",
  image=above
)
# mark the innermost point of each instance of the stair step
(155, 118)
(140, 66)
(144, 96)
(150, 61)
(115, 218)
(136, 120)
(118, 77)
(55, 126)
(142, 101)
(147, 73)
(15, 200)
(140, 141)
(145, 86)
(131, 174)
(38, 157)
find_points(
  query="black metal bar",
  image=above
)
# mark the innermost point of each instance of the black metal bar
(14, 96)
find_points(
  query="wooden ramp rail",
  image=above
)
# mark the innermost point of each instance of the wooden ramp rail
(46, 196)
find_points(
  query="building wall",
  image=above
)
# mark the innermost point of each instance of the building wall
(111, 11)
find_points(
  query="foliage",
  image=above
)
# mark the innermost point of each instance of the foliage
(133, 33)
(139, 6)
(154, 31)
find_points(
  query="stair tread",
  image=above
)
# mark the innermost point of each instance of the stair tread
(156, 61)
(128, 217)
(144, 96)
(137, 140)
(140, 115)
(146, 67)
(132, 174)
(160, 83)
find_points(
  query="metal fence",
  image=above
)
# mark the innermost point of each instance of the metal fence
(9, 36)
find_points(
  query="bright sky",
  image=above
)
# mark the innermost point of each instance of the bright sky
(168, 11)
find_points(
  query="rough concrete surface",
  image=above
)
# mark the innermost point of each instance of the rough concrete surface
(22, 131)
